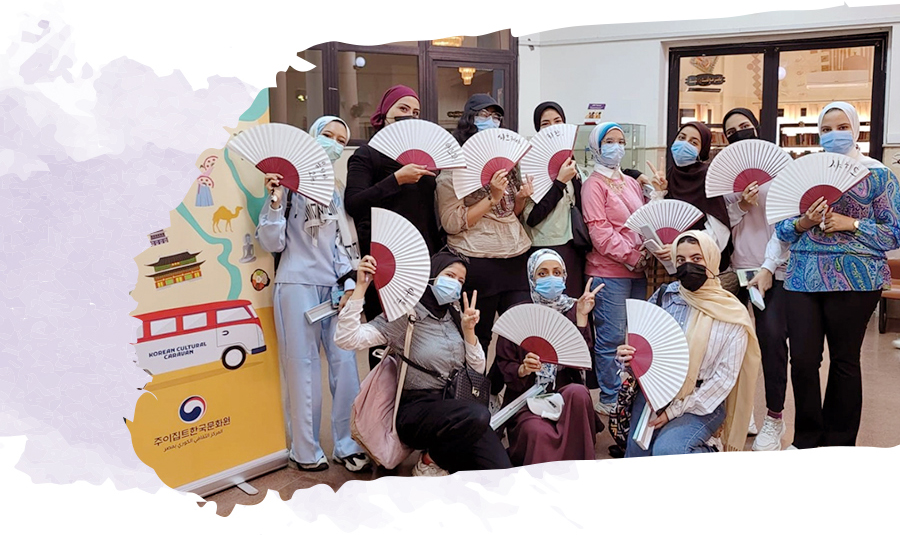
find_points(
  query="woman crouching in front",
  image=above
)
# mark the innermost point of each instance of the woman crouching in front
(453, 434)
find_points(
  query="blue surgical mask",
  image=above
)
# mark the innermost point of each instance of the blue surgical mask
(483, 123)
(332, 148)
(550, 287)
(684, 153)
(446, 290)
(839, 141)
(611, 154)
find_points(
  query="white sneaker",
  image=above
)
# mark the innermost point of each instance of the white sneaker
(428, 470)
(770, 437)
(604, 408)
(354, 462)
(751, 429)
(716, 443)
(896, 343)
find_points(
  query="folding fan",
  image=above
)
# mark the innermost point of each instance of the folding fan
(666, 218)
(293, 154)
(661, 355)
(510, 410)
(821, 174)
(742, 163)
(402, 262)
(486, 153)
(419, 142)
(550, 148)
(546, 333)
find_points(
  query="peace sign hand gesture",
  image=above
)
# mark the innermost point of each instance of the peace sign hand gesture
(586, 302)
(659, 178)
(470, 315)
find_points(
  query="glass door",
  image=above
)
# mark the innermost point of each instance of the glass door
(457, 81)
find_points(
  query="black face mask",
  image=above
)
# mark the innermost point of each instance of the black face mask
(740, 135)
(692, 276)
(403, 117)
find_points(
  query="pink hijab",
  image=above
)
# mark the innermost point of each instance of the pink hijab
(390, 97)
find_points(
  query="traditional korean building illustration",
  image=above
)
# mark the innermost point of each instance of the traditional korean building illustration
(170, 270)
(158, 238)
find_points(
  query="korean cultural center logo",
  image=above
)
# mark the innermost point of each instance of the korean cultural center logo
(192, 409)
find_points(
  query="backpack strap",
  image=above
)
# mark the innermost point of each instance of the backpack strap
(287, 212)
(659, 296)
(403, 362)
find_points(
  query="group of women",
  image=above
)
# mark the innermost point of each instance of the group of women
(820, 275)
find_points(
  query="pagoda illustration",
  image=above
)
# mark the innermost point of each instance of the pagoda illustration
(170, 270)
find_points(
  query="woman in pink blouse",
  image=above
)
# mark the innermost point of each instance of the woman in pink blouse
(618, 260)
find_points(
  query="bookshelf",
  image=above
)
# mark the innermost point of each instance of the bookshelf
(800, 138)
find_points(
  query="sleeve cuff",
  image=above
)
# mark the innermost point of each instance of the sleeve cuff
(349, 285)
(770, 265)
(273, 214)
(632, 258)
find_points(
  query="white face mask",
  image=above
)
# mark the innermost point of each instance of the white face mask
(611, 154)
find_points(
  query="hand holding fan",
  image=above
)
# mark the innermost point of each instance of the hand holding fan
(419, 142)
(293, 154)
(803, 181)
(742, 163)
(550, 148)
(546, 333)
(661, 356)
(402, 266)
(486, 153)
(666, 219)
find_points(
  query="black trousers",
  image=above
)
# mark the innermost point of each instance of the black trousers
(841, 318)
(488, 307)
(772, 332)
(457, 434)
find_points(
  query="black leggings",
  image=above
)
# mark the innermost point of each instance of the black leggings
(772, 332)
(457, 434)
(841, 318)
(488, 307)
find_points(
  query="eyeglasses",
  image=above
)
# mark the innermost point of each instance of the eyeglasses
(486, 113)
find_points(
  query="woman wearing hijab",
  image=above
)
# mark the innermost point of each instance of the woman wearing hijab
(455, 434)
(717, 394)
(756, 247)
(313, 264)
(484, 226)
(572, 435)
(377, 181)
(834, 280)
(686, 181)
(618, 259)
(549, 222)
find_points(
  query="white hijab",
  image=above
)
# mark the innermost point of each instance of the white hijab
(853, 116)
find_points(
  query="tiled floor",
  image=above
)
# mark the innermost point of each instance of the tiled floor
(880, 427)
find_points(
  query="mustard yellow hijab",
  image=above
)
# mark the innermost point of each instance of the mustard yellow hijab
(712, 302)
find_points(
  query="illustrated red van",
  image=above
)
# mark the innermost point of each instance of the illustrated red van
(180, 338)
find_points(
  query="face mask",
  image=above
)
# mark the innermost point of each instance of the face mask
(402, 118)
(684, 153)
(741, 135)
(611, 154)
(550, 287)
(483, 123)
(692, 276)
(332, 148)
(839, 141)
(446, 290)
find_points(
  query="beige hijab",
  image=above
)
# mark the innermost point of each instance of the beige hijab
(712, 302)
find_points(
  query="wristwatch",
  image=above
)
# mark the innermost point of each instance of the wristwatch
(856, 224)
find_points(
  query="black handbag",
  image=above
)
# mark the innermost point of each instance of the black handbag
(581, 238)
(464, 383)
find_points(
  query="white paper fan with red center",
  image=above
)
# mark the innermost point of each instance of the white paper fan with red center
(666, 218)
(821, 174)
(550, 148)
(486, 153)
(293, 154)
(546, 333)
(661, 354)
(742, 163)
(419, 142)
(403, 265)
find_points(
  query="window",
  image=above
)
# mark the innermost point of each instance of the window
(361, 87)
(194, 321)
(164, 326)
(230, 315)
(456, 84)
(305, 100)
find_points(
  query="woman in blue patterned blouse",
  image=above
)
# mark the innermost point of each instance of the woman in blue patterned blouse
(834, 278)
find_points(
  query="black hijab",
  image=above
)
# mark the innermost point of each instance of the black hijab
(439, 262)
(688, 183)
(746, 113)
(544, 106)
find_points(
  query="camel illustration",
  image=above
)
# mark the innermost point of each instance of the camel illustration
(224, 214)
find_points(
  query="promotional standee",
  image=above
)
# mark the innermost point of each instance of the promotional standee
(211, 416)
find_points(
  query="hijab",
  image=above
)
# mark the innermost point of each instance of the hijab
(688, 183)
(712, 302)
(439, 262)
(746, 113)
(316, 214)
(561, 304)
(544, 106)
(390, 97)
(853, 116)
(596, 139)
(319, 125)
